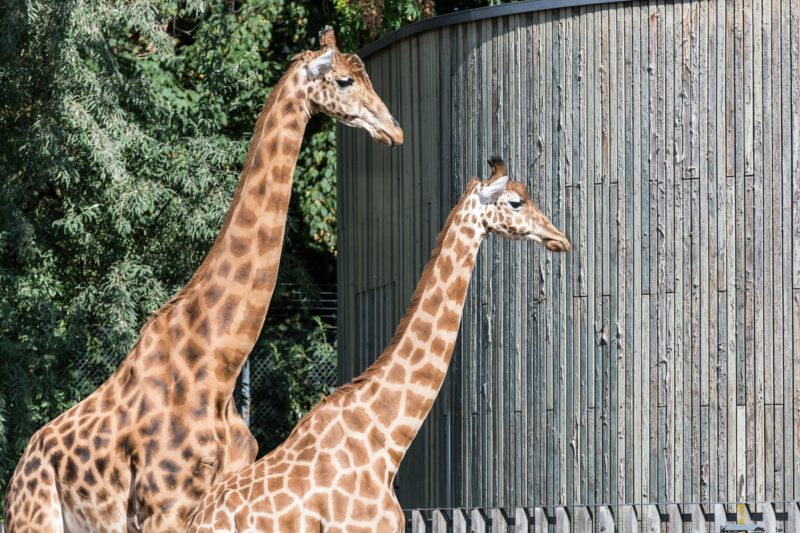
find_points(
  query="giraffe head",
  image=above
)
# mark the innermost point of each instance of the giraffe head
(507, 210)
(339, 86)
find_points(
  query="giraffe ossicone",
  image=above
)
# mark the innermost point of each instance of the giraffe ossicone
(140, 451)
(334, 472)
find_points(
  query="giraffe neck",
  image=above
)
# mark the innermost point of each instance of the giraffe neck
(403, 383)
(221, 310)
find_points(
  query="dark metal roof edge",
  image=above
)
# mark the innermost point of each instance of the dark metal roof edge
(471, 15)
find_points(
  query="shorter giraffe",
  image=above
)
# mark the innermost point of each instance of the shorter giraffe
(334, 473)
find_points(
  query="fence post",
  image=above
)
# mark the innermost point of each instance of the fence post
(698, 518)
(478, 522)
(793, 525)
(540, 522)
(499, 521)
(418, 522)
(562, 520)
(743, 514)
(628, 521)
(605, 520)
(522, 520)
(770, 520)
(675, 518)
(583, 519)
(460, 521)
(652, 519)
(720, 517)
(439, 521)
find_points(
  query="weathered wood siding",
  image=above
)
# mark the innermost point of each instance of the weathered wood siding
(659, 361)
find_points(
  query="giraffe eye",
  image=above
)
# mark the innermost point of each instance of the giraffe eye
(516, 204)
(344, 82)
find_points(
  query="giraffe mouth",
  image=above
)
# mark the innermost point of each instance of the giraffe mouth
(384, 138)
(390, 136)
(558, 245)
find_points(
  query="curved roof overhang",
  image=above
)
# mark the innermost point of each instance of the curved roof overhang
(472, 15)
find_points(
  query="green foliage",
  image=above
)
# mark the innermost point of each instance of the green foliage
(291, 380)
(315, 189)
(125, 125)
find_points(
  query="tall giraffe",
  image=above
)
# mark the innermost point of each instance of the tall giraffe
(334, 473)
(139, 452)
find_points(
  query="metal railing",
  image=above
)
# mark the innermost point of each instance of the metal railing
(769, 517)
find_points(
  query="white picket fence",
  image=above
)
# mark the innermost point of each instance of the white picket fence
(776, 517)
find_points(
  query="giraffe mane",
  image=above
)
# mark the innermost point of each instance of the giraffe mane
(189, 287)
(375, 367)
(427, 271)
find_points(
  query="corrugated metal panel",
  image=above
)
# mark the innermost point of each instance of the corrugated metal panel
(660, 360)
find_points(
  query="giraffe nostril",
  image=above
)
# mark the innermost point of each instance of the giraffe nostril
(396, 124)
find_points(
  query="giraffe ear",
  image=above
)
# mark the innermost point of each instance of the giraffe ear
(318, 67)
(491, 192)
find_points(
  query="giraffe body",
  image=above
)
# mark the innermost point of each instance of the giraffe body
(140, 451)
(334, 473)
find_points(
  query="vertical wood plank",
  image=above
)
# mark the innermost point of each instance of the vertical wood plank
(736, 83)
(770, 242)
(716, 131)
(729, 234)
(618, 69)
(781, 199)
(653, 186)
(626, 195)
(752, 401)
(682, 407)
(794, 12)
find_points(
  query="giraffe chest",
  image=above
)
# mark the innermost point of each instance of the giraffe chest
(100, 510)
(118, 477)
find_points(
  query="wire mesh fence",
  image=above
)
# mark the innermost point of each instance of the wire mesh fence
(282, 387)
(292, 365)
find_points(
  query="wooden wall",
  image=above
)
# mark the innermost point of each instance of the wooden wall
(659, 360)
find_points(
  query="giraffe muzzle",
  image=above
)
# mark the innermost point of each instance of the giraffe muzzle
(394, 133)
(558, 245)
(385, 128)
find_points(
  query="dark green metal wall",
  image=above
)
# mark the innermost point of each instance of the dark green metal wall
(660, 360)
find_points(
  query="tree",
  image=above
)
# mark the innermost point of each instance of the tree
(124, 135)
(125, 125)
